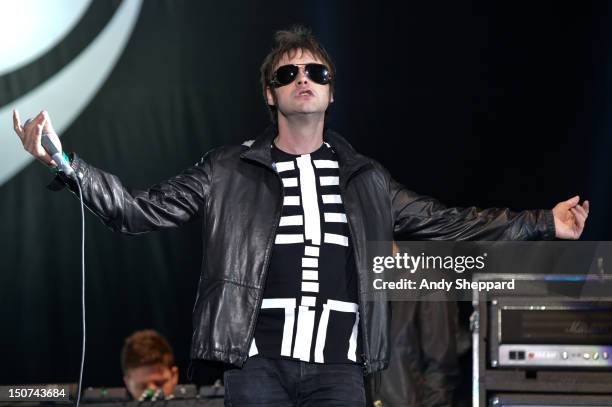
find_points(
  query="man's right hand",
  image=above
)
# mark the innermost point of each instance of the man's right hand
(30, 134)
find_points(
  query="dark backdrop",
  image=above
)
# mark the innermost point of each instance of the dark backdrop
(476, 103)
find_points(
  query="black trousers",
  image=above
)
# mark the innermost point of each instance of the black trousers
(264, 382)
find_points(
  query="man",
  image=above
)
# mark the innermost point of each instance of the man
(286, 218)
(147, 362)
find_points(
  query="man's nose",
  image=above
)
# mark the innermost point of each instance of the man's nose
(301, 76)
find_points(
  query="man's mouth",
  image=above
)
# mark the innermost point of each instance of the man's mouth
(305, 93)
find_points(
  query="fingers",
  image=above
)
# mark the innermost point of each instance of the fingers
(581, 210)
(35, 136)
(41, 153)
(48, 128)
(30, 133)
(17, 124)
(29, 126)
(573, 201)
(579, 216)
(32, 139)
(584, 208)
(565, 205)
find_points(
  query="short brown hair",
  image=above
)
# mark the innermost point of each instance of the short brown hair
(145, 348)
(290, 42)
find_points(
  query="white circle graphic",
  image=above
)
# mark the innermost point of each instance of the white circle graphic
(30, 28)
(69, 91)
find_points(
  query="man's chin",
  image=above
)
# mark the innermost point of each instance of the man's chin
(304, 113)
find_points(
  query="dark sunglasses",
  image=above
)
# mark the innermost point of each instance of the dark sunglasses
(286, 74)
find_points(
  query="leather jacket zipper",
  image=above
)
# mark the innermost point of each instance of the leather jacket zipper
(360, 298)
(267, 260)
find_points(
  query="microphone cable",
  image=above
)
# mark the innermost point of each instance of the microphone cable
(63, 163)
(80, 385)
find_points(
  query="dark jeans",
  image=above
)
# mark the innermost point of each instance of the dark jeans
(266, 382)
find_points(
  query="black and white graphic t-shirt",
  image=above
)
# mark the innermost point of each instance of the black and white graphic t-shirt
(309, 311)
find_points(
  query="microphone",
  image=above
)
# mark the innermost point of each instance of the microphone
(58, 157)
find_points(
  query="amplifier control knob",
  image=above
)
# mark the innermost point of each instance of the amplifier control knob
(604, 355)
(595, 356)
(586, 355)
(564, 355)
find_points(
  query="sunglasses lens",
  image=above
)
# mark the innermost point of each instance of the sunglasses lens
(318, 73)
(285, 74)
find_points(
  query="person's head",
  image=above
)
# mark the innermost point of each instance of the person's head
(147, 362)
(294, 89)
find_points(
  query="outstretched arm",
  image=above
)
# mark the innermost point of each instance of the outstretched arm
(423, 217)
(130, 211)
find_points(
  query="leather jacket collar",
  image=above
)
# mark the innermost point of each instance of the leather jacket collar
(350, 160)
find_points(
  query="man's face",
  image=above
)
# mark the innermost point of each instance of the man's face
(158, 376)
(302, 96)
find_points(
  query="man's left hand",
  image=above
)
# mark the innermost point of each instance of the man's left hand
(570, 217)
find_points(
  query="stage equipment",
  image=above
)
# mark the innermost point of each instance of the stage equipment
(548, 400)
(547, 337)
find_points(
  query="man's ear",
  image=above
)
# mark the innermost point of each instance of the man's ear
(270, 96)
(331, 98)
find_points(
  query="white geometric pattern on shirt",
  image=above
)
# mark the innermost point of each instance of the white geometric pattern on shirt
(312, 240)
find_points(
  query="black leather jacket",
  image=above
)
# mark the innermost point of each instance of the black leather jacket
(239, 197)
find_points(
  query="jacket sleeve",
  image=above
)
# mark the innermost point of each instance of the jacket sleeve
(422, 217)
(132, 211)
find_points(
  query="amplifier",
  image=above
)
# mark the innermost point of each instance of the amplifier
(533, 332)
(548, 400)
